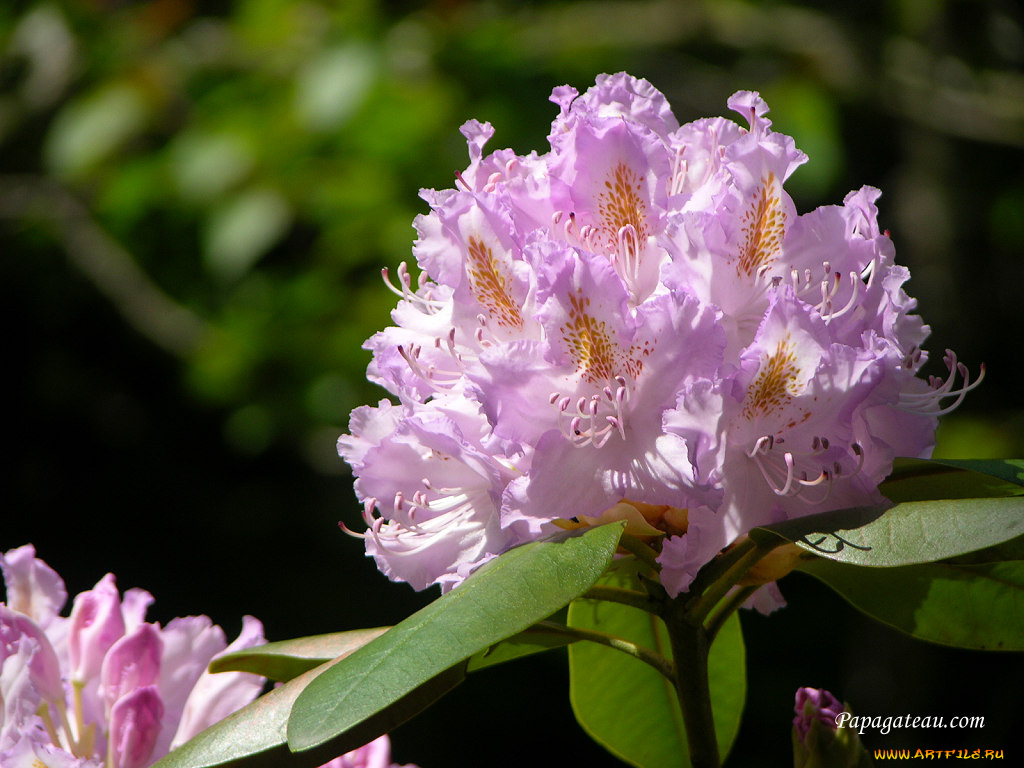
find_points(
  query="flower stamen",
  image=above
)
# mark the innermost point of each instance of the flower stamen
(930, 403)
(785, 479)
(425, 302)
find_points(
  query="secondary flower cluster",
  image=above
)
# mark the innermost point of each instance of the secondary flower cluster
(104, 688)
(639, 315)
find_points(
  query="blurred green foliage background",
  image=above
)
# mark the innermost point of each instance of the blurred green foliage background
(196, 199)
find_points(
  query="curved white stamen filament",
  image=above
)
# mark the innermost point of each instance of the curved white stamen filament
(677, 181)
(425, 303)
(438, 378)
(826, 309)
(626, 259)
(584, 236)
(596, 418)
(930, 403)
(786, 479)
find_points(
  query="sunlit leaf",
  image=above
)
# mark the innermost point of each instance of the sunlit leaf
(332, 86)
(243, 228)
(503, 598)
(629, 707)
(969, 606)
(907, 533)
(90, 130)
(206, 165)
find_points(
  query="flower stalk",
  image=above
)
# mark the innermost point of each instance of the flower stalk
(691, 644)
(659, 663)
(625, 596)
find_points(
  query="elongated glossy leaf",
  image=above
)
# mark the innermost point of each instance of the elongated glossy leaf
(921, 479)
(629, 707)
(968, 606)
(503, 598)
(256, 735)
(286, 659)
(907, 533)
(283, 660)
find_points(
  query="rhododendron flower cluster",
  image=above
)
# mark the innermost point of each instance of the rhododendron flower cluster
(104, 688)
(638, 316)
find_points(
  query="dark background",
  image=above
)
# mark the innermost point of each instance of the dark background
(196, 199)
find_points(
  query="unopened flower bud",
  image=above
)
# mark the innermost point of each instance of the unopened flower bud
(133, 662)
(818, 742)
(134, 727)
(96, 624)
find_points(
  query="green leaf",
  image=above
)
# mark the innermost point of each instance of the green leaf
(626, 705)
(240, 229)
(1011, 470)
(285, 659)
(502, 599)
(1007, 550)
(905, 534)
(256, 735)
(968, 606)
(919, 479)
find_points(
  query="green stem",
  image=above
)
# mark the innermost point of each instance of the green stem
(644, 553)
(719, 565)
(737, 569)
(690, 647)
(646, 655)
(727, 609)
(629, 597)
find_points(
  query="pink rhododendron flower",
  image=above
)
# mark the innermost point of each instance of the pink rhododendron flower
(638, 315)
(104, 688)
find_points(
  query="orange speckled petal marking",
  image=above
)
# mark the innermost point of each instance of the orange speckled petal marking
(764, 226)
(491, 285)
(598, 358)
(620, 205)
(775, 383)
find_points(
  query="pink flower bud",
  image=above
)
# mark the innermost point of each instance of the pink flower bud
(818, 741)
(96, 624)
(134, 727)
(132, 662)
(815, 704)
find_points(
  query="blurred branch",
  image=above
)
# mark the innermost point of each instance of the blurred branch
(947, 95)
(104, 262)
